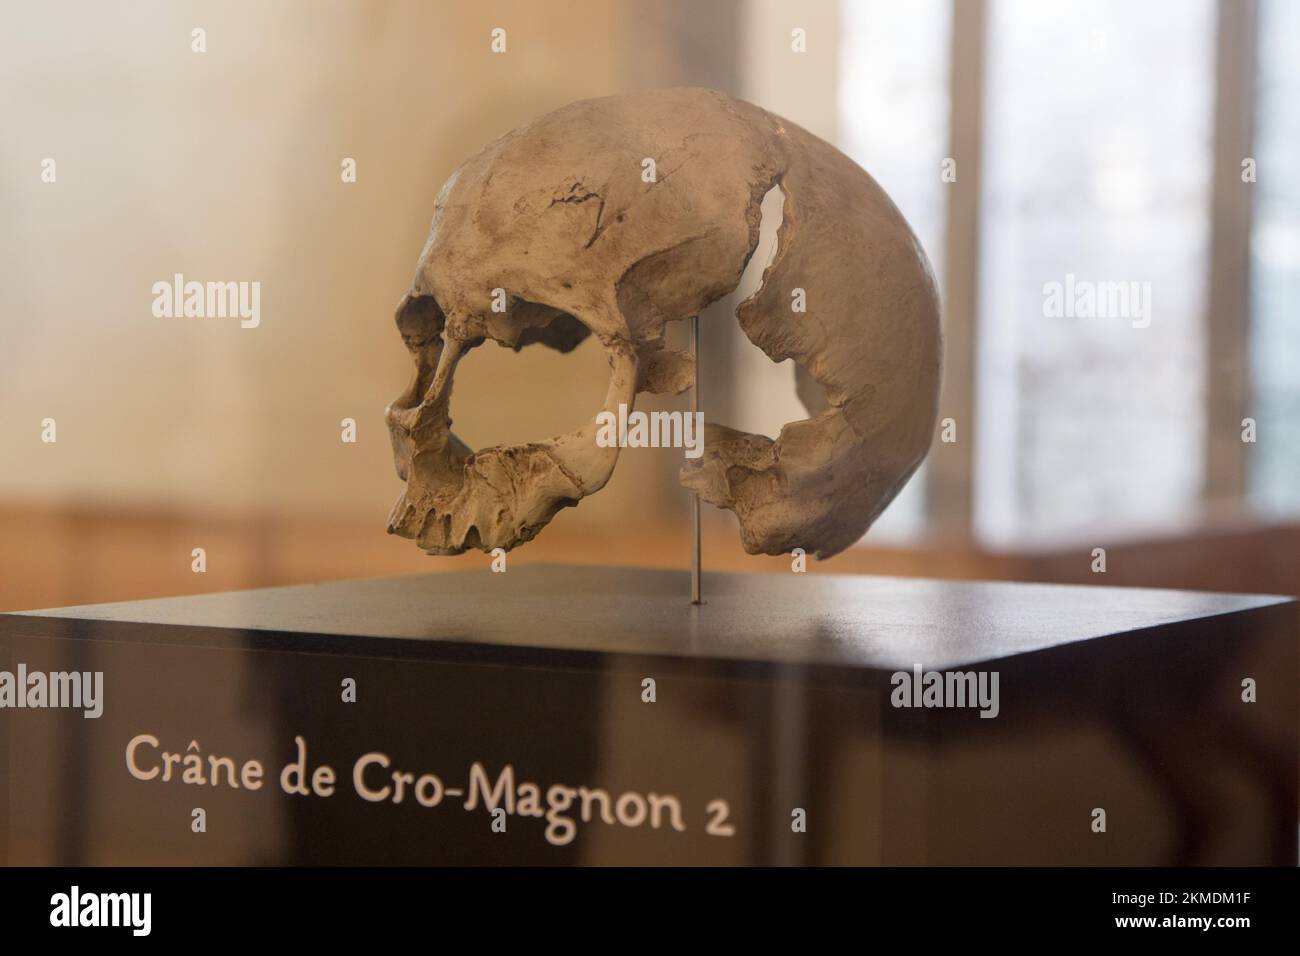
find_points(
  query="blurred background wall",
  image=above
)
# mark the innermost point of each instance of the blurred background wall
(1026, 141)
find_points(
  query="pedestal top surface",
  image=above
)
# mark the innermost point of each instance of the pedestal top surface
(873, 622)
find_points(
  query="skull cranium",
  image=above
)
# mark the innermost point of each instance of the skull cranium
(557, 222)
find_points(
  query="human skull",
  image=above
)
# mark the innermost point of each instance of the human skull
(557, 226)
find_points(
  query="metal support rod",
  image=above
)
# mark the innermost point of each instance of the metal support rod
(695, 498)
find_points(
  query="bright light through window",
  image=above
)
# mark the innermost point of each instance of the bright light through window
(1094, 254)
(1275, 265)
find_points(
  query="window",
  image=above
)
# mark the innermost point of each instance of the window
(1093, 267)
(1274, 474)
(1094, 248)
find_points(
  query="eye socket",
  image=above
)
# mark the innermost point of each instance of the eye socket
(512, 395)
(563, 333)
(420, 320)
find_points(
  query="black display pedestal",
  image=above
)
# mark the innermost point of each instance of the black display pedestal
(772, 737)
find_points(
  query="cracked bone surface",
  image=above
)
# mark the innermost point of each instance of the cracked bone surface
(559, 222)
